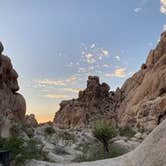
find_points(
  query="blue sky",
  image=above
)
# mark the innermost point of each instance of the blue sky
(55, 44)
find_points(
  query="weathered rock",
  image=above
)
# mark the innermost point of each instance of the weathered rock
(144, 105)
(12, 104)
(93, 103)
(30, 121)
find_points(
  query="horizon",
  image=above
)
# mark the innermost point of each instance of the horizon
(55, 45)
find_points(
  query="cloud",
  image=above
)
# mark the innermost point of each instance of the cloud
(117, 58)
(90, 58)
(50, 82)
(105, 52)
(137, 10)
(121, 73)
(56, 96)
(164, 27)
(74, 90)
(93, 46)
(163, 6)
(71, 79)
(45, 82)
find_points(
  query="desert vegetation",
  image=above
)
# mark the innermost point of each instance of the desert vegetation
(20, 149)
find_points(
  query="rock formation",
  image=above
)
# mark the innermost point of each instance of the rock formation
(30, 121)
(93, 103)
(139, 103)
(144, 105)
(12, 104)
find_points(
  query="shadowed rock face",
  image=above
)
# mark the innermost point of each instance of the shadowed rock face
(140, 103)
(12, 104)
(93, 104)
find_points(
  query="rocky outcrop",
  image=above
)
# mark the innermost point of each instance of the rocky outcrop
(30, 121)
(93, 104)
(12, 104)
(139, 103)
(144, 105)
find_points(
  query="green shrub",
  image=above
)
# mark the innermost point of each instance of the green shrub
(104, 133)
(49, 130)
(67, 136)
(20, 150)
(93, 151)
(127, 132)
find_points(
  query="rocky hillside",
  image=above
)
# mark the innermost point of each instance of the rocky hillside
(139, 103)
(12, 104)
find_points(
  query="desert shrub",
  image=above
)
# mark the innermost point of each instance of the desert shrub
(49, 130)
(67, 136)
(93, 151)
(127, 132)
(104, 133)
(20, 150)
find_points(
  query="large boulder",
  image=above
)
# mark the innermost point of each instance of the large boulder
(12, 104)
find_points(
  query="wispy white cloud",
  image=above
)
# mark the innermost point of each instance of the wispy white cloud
(56, 96)
(71, 79)
(90, 58)
(117, 58)
(105, 52)
(164, 27)
(93, 46)
(74, 90)
(50, 82)
(120, 72)
(46, 82)
(137, 10)
(163, 6)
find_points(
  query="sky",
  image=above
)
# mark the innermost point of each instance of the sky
(55, 44)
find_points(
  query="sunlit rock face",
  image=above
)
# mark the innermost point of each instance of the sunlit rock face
(139, 103)
(12, 104)
(144, 105)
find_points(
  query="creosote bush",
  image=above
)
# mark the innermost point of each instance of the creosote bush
(104, 133)
(93, 150)
(49, 130)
